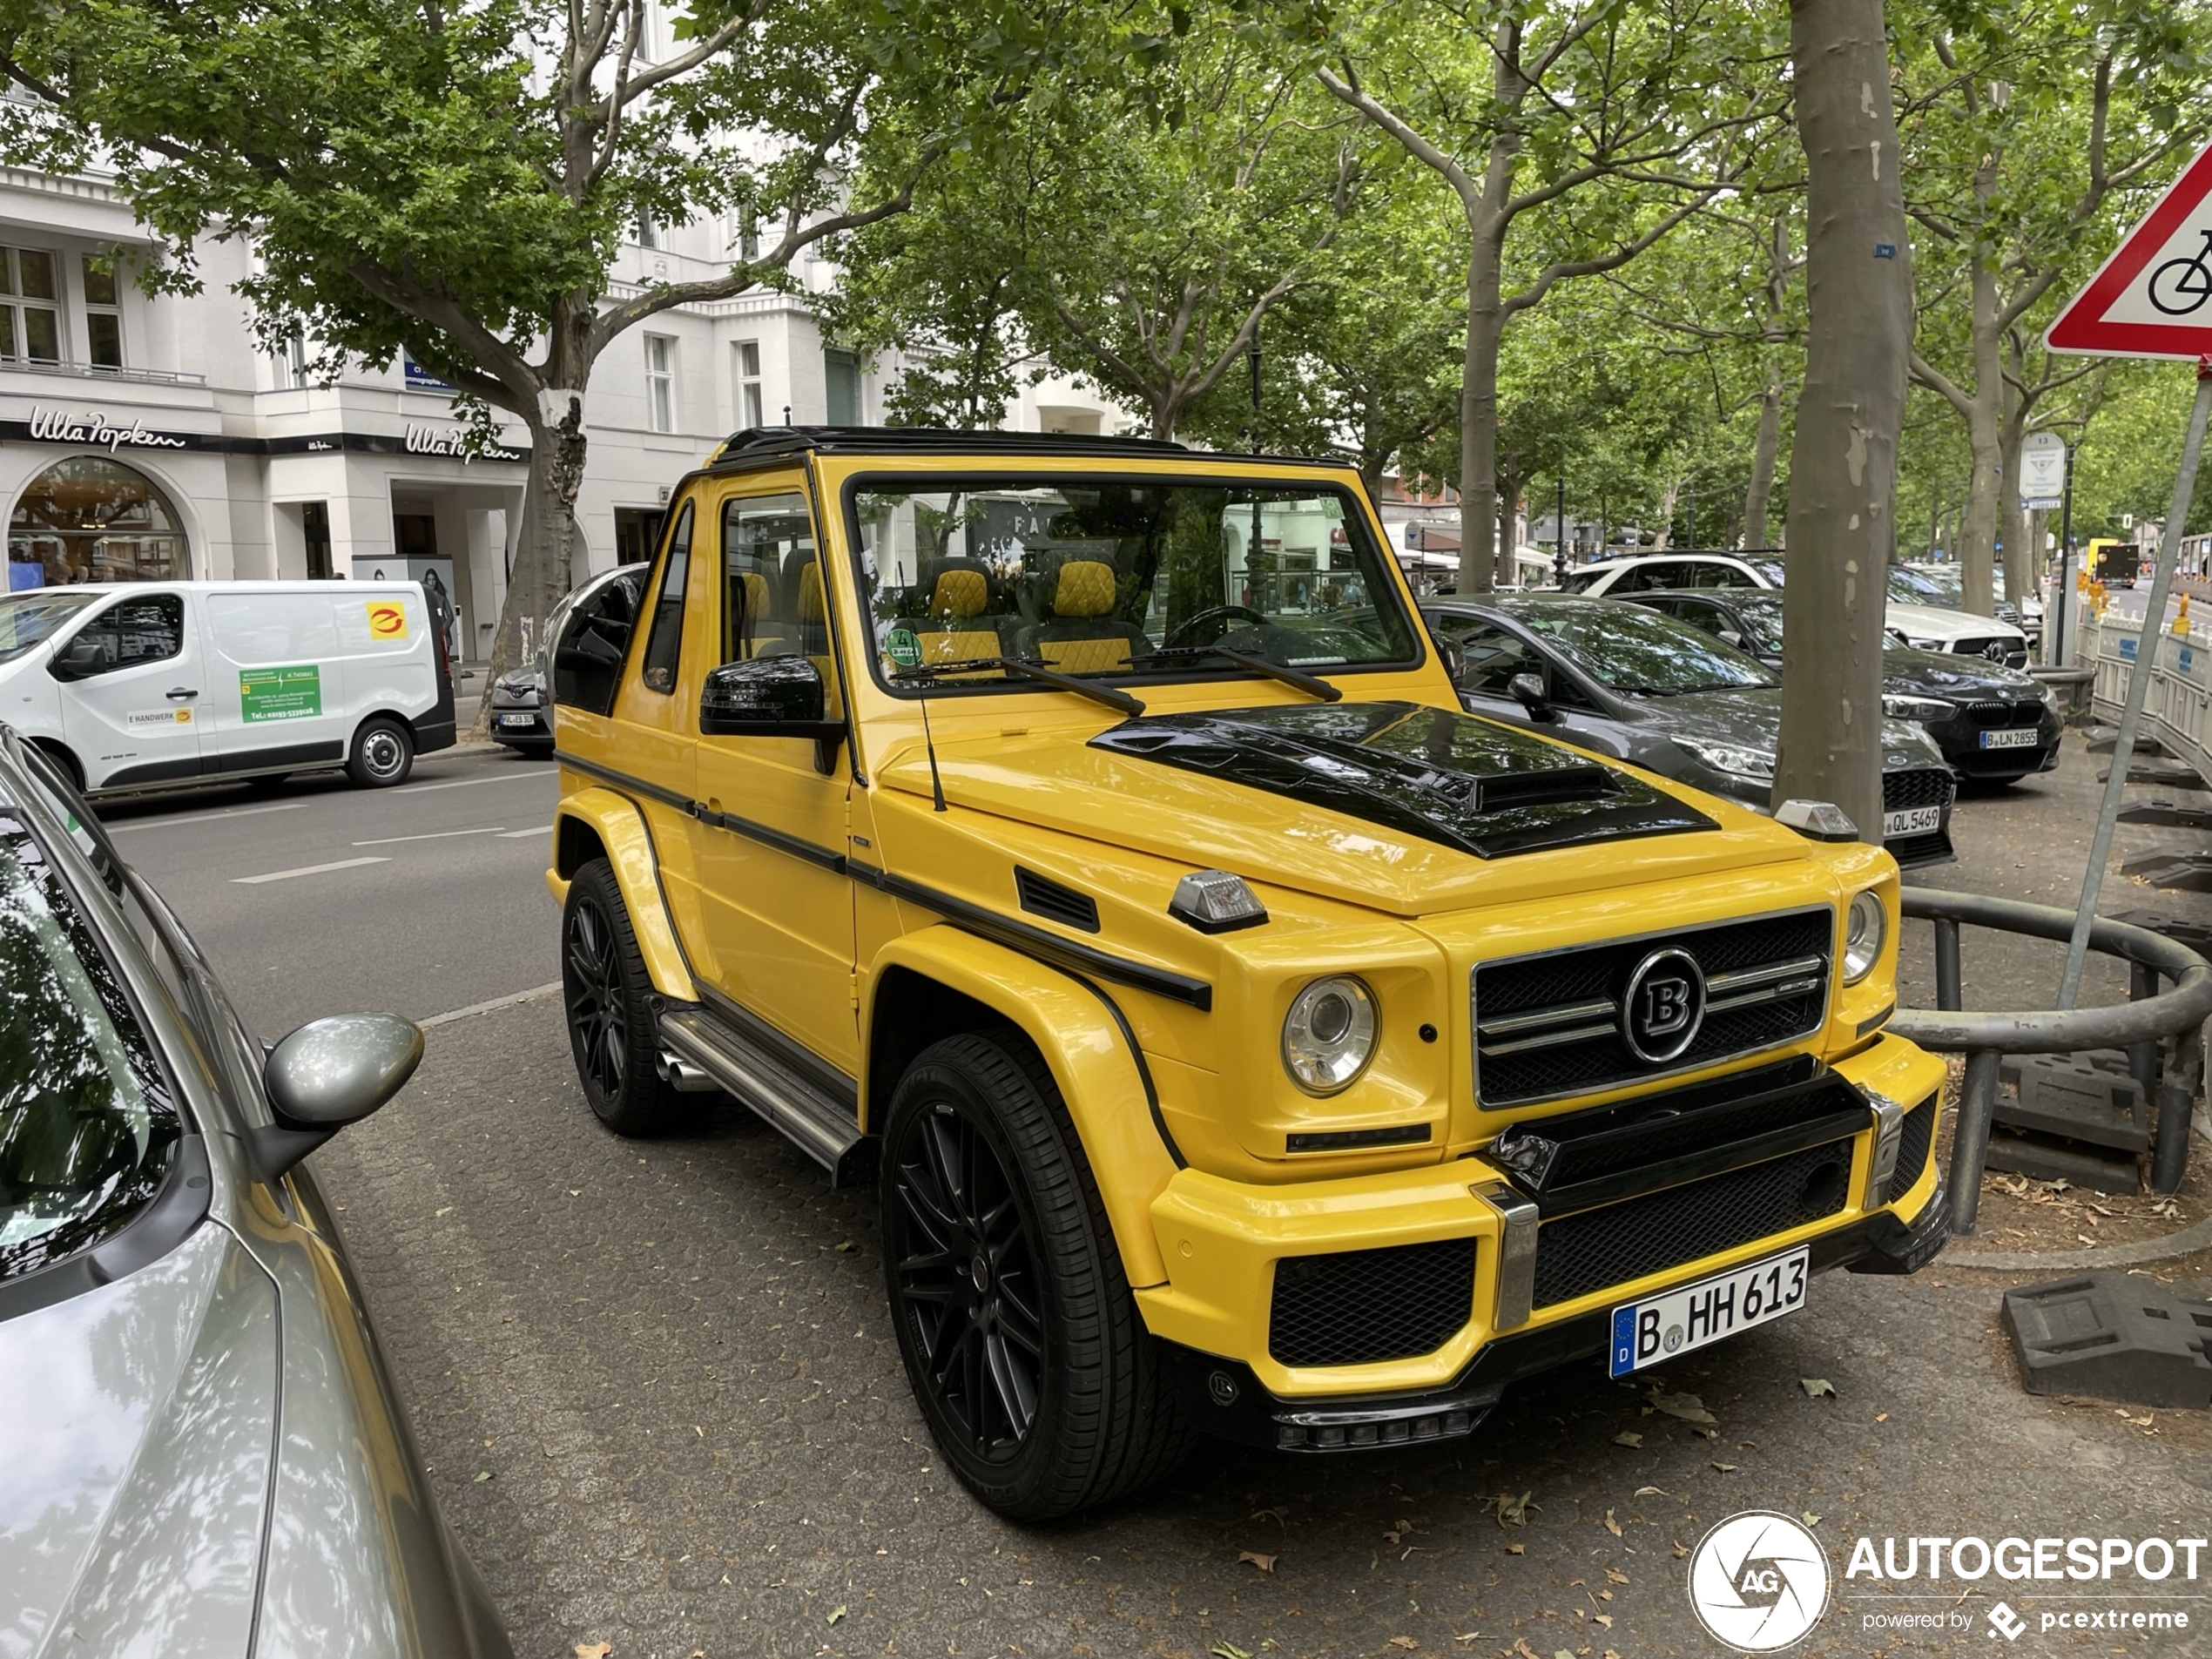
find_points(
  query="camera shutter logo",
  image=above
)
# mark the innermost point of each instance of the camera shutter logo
(1758, 1581)
(1664, 1006)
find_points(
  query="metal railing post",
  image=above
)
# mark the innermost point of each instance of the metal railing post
(2143, 1058)
(1970, 1142)
(1949, 997)
(2169, 1154)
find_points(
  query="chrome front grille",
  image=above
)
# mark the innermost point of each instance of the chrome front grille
(1554, 1025)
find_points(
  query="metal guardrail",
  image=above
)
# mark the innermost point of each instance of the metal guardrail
(2172, 1016)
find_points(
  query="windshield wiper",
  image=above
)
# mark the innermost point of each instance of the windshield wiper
(1311, 684)
(1121, 701)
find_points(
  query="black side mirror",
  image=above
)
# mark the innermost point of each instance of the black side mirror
(327, 1074)
(771, 697)
(80, 659)
(1454, 660)
(1528, 690)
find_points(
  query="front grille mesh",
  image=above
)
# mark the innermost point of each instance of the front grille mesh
(1599, 974)
(1358, 1307)
(1914, 1138)
(1926, 786)
(1593, 1248)
(1995, 713)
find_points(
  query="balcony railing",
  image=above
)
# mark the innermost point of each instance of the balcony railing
(100, 372)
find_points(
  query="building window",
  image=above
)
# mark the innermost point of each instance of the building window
(30, 318)
(292, 365)
(745, 233)
(842, 369)
(648, 232)
(749, 403)
(90, 519)
(660, 382)
(103, 314)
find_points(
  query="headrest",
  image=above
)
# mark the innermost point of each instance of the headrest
(1085, 589)
(960, 593)
(756, 594)
(810, 593)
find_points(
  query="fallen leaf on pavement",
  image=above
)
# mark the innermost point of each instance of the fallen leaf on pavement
(1516, 1549)
(1817, 1387)
(1605, 1618)
(1611, 1525)
(835, 1613)
(1397, 1533)
(1725, 1468)
(1881, 1417)
(1228, 1650)
(1615, 1576)
(594, 1649)
(1627, 1438)
(1688, 1407)
(1265, 1564)
(1679, 1551)
(1512, 1511)
(483, 1474)
(1406, 1642)
(1646, 1492)
(1520, 1646)
(1811, 1519)
(844, 1243)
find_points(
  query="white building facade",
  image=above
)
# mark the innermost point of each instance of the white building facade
(151, 439)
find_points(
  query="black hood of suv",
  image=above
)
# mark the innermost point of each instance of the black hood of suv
(1469, 784)
(1932, 673)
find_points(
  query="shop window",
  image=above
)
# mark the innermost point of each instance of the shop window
(842, 369)
(748, 398)
(31, 317)
(660, 382)
(637, 533)
(92, 519)
(103, 315)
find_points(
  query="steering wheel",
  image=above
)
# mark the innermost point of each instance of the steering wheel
(1220, 615)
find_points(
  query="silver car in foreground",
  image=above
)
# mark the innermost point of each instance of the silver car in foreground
(203, 1450)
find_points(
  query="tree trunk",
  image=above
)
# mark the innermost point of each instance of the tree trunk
(1667, 497)
(1842, 461)
(1478, 419)
(1985, 420)
(1764, 449)
(546, 551)
(2012, 523)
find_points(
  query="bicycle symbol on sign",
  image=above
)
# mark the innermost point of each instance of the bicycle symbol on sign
(2181, 286)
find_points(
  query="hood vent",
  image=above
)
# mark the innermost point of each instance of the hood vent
(1498, 792)
(1041, 897)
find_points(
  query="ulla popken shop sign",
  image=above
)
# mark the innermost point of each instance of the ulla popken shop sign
(91, 429)
(457, 443)
(95, 431)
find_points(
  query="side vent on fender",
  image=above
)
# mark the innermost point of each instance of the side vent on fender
(1054, 902)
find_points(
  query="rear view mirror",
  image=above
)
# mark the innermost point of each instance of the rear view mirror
(1529, 692)
(327, 1074)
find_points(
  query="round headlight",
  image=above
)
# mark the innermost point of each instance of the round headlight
(1329, 1034)
(1865, 926)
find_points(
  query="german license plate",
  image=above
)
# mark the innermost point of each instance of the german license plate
(1911, 821)
(1654, 1331)
(518, 720)
(2019, 736)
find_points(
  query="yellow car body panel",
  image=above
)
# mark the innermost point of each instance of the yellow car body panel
(620, 827)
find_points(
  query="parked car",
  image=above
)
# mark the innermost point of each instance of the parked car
(1216, 1006)
(1928, 627)
(522, 709)
(1993, 724)
(1626, 681)
(1945, 589)
(205, 1451)
(156, 684)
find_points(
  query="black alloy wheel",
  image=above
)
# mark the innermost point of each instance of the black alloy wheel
(607, 996)
(1022, 1341)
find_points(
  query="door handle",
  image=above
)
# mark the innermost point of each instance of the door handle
(178, 694)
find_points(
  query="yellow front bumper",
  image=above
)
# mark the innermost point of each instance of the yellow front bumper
(1221, 1239)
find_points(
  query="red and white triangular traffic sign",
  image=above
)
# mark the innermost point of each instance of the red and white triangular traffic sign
(2153, 298)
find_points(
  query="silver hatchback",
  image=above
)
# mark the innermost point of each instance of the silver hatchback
(204, 1450)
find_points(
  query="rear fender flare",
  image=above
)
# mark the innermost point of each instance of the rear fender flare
(620, 830)
(1094, 1061)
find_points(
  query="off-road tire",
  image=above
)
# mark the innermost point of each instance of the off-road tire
(1104, 1421)
(607, 996)
(382, 755)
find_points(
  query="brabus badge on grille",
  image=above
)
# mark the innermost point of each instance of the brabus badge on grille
(1664, 1006)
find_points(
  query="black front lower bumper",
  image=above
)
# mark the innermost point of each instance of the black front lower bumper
(1224, 1398)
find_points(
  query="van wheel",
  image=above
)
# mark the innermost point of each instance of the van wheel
(608, 998)
(383, 755)
(1021, 1338)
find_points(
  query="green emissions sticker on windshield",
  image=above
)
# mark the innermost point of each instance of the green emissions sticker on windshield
(280, 693)
(902, 648)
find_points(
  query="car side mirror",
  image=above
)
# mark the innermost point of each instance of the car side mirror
(1454, 660)
(1730, 637)
(329, 1073)
(771, 697)
(1528, 690)
(80, 659)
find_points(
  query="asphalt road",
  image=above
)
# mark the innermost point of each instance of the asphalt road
(663, 1406)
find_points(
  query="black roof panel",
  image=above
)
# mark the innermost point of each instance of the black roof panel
(761, 442)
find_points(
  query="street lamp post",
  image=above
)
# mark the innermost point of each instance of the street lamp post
(1559, 535)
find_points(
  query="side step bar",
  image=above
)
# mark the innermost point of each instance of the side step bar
(812, 1120)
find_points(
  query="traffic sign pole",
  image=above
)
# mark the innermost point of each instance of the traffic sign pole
(2123, 748)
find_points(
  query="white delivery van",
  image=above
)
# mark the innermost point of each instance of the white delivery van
(156, 684)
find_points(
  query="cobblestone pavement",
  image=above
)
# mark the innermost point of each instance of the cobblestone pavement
(662, 1404)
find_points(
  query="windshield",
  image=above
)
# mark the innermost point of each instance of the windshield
(1633, 650)
(86, 1121)
(27, 619)
(1911, 588)
(1096, 576)
(1761, 616)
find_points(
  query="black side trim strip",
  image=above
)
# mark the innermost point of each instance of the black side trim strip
(752, 1029)
(1143, 1069)
(294, 754)
(793, 844)
(1035, 942)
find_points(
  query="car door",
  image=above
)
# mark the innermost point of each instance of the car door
(276, 694)
(770, 835)
(1494, 653)
(133, 703)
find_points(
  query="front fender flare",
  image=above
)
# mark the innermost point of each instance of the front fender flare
(620, 827)
(1094, 1061)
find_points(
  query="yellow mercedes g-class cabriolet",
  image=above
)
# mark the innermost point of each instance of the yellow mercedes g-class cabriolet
(1082, 839)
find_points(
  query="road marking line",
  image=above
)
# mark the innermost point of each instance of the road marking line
(305, 869)
(492, 1007)
(516, 835)
(467, 783)
(204, 818)
(432, 835)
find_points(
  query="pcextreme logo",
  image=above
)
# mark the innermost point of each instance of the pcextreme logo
(1758, 1581)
